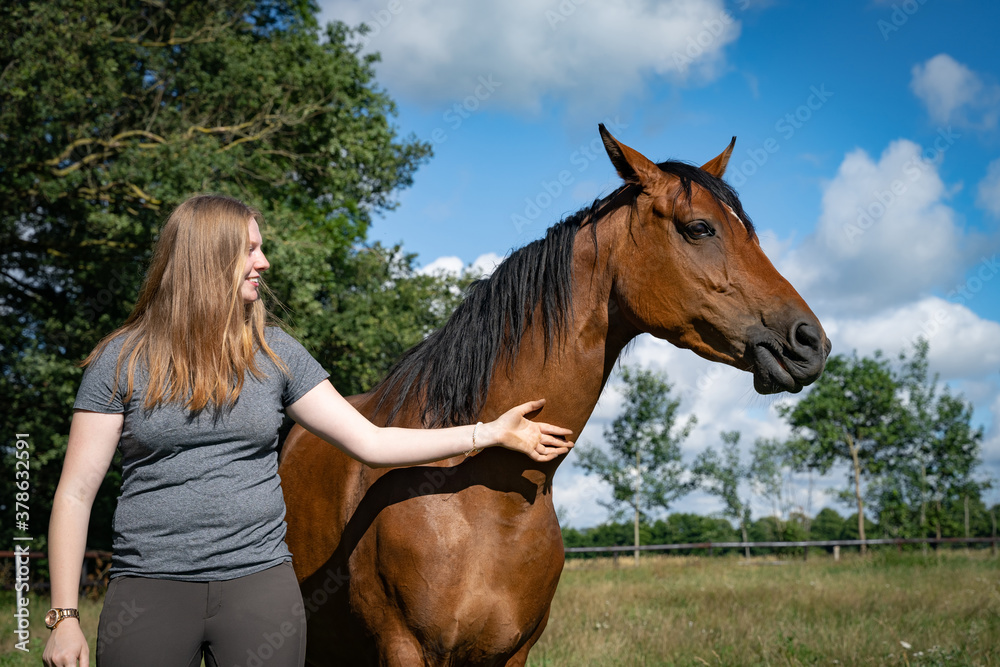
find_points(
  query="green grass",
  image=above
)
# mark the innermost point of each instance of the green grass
(701, 611)
(721, 611)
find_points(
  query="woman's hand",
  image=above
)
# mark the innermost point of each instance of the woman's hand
(66, 645)
(538, 440)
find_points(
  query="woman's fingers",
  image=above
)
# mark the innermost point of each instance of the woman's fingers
(550, 441)
(553, 429)
(530, 406)
(556, 433)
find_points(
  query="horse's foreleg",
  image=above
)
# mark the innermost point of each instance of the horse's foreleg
(520, 659)
(399, 648)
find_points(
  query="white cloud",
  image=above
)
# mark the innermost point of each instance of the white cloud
(444, 265)
(953, 93)
(517, 53)
(483, 265)
(486, 263)
(988, 196)
(885, 235)
(963, 346)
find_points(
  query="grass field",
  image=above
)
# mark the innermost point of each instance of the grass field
(887, 609)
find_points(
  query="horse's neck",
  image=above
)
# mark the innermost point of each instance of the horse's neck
(574, 371)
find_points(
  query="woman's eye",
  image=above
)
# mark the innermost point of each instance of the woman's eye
(698, 229)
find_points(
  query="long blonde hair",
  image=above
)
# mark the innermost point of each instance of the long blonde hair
(190, 328)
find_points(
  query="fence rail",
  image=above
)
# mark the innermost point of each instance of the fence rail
(777, 545)
(101, 559)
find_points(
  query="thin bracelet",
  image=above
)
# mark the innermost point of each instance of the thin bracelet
(475, 450)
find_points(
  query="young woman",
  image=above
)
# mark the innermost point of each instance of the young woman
(192, 389)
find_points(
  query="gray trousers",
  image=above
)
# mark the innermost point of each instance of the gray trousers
(253, 621)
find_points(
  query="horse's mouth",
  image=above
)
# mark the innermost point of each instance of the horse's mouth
(770, 372)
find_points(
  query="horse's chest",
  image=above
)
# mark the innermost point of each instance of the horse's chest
(468, 579)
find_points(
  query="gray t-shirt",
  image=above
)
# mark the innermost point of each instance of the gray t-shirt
(201, 498)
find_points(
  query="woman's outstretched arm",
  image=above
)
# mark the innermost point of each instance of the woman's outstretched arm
(324, 412)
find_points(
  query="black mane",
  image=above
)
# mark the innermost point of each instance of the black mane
(450, 370)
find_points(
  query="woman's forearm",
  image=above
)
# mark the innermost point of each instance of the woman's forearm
(406, 446)
(67, 544)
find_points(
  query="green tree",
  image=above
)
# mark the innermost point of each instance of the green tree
(827, 525)
(722, 474)
(769, 473)
(685, 528)
(644, 465)
(934, 469)
(113, 113)
(853, 414)
(942, 449)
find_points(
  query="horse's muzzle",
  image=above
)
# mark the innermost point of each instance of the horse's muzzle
(789, 362)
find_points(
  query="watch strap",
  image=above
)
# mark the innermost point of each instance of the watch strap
(61, 615)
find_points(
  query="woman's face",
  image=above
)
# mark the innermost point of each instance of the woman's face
(256, 263)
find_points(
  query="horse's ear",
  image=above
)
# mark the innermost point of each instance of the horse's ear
(632, 165)
(717, 165)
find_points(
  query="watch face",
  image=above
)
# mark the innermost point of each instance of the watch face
(51, 616)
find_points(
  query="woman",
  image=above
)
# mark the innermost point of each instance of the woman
(192, 389)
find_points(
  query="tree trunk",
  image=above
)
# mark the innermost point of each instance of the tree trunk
(923, 505)
(637, 530)
(638, 476)
(857, 492)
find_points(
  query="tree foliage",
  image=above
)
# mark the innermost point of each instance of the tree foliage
(937, 462)
(851, 415)
(725, 475)
(643, 465)
(722, 474)
(909, 444)
(113, 113)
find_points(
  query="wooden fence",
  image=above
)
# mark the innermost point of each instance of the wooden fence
(836, 544)
(97, 563)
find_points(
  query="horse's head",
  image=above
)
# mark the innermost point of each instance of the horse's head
(689, 269)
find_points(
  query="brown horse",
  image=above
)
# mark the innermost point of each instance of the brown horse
(456, 563)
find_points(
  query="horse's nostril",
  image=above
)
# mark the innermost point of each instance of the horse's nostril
(807, 335)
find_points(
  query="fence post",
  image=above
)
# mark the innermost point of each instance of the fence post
(836, 552)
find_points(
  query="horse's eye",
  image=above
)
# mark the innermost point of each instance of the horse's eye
(699, 229)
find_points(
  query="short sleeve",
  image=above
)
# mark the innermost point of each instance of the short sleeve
(99, 391)
(304, 372)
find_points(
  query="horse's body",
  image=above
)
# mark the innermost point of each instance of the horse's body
(456, 563)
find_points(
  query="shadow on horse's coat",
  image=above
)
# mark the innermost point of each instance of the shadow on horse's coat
(456, 563)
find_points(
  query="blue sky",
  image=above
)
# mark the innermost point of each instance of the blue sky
(868, 155)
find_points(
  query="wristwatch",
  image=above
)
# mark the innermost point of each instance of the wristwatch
(53, 616)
